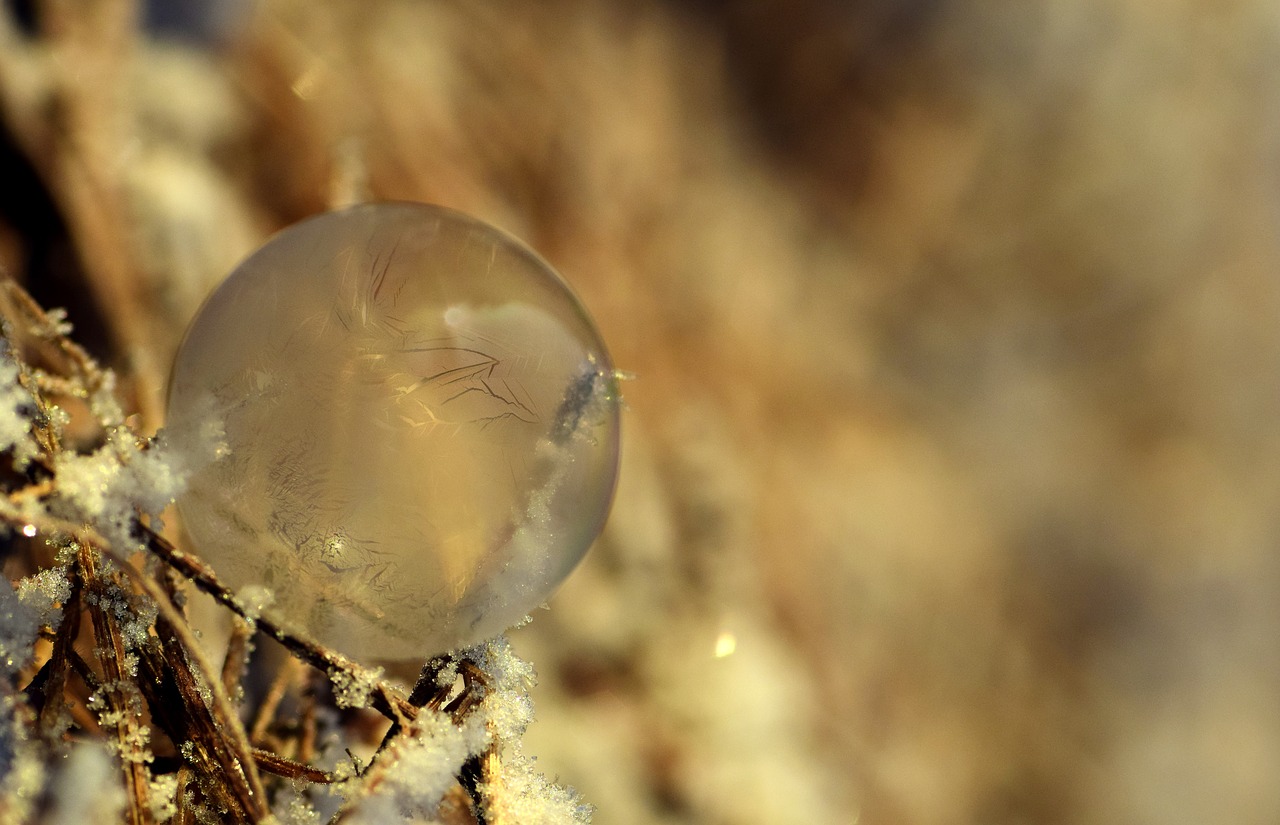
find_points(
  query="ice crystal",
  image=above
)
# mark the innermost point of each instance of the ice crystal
(104, 482)
(507, 705)
(423, 770)
(164, 789)
(15, 413)
(352, 688)
(526, 797)
(254, 598)
(19, 624)
(293, 808)
(106, 487)
(44, 592)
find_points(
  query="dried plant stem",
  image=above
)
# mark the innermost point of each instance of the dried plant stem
(225, 736)
(111, 654)
(157, 666)
(178, 665)
(271, 701)
(386, 698)
(17, 305)
(184, 816)
(53, 698)
(427, 692)
(289, 768)
(233, 664)
(307, 738)
(95, 41)
(480, 777)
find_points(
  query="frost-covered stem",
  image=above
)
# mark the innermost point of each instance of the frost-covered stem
(386, 699)
(426, 693)
(17, 306)
(289, 768)
(222, 760)
(231, 749)
(479, 771)
(53, 700)
(237, 657)
(477, 776)
(429, 696)
(205, 702)
(110, 647)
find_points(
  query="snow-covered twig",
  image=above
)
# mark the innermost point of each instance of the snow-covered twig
(82, 483)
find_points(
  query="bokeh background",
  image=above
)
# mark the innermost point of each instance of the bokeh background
(951, 464)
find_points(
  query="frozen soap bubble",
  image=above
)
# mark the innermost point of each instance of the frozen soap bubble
(422, 426)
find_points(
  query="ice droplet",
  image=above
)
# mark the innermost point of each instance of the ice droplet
(422, 424)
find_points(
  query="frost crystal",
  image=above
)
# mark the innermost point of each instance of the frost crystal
(423, 770)
(19, 625)
(164, 789)
(507, 706)
(351, 689)
(16, 407)
(292, 808)
(254, 598)
(44, 592)
(105, 487)
(525, 796)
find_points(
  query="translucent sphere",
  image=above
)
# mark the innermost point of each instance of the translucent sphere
(422, 426)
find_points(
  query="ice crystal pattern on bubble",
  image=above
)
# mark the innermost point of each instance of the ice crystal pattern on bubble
(422, 426)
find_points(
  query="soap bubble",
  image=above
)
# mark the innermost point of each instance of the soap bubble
(421, 423)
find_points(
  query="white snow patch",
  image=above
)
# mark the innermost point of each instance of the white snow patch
(506, 707)
(19, 624)
(525, 796)
(16, 407)
(86, 789)
(423, 770)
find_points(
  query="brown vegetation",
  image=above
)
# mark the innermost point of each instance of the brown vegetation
(950, 475)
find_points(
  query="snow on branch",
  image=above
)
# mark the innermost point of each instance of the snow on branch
(111, 708)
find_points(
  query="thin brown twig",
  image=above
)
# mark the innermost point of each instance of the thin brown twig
(307, 723)
(385, 697)
(32, 492)
(184, 814)
(427, 692)
(57, 384)
(46, 330)
(180, 706)
(85, 671)
(238, 764)
(289, 768)
(271, 701)
(234, 740)
(233, 664)
(477, 777)
(174, 661)
(475, 684)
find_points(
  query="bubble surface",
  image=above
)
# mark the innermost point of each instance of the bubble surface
(422, 425)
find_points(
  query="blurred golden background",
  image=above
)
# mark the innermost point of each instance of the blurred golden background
(951, 463)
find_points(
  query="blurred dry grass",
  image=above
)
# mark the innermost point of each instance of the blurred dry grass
(955, 328)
